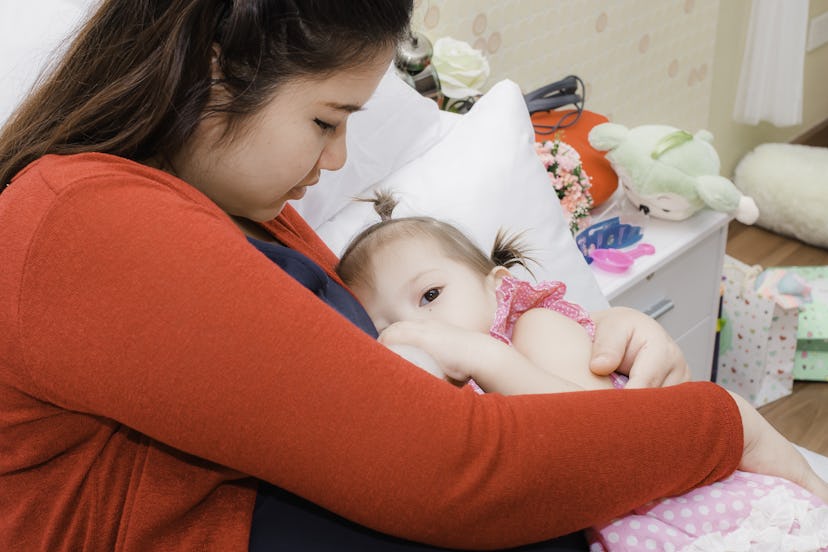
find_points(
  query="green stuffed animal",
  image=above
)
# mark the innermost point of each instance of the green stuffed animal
(670, 173)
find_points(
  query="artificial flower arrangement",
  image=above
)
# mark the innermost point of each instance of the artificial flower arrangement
(570, 180)
(462, 70)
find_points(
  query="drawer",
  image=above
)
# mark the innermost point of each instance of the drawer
(697, 346)
(683, 292)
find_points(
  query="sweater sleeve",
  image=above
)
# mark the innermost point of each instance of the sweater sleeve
(141, 305)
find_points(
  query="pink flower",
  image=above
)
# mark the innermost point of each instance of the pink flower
(568, 178)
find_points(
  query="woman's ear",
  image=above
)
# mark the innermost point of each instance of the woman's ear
(495, 276)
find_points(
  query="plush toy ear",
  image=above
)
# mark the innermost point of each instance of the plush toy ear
(748, 211)
(607, 136)
(720, 194)
(705, 135)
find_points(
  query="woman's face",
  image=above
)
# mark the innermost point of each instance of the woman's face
(280, 150)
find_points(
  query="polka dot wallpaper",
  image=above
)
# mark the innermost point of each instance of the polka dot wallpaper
(642, 61)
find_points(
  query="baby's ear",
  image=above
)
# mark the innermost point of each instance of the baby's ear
(496, 275)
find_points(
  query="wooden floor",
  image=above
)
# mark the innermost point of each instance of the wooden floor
(803, 416)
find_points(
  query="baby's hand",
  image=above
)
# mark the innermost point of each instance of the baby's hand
(419, 358)
(455, 350)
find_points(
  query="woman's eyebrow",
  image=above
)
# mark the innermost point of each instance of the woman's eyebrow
(348, 108)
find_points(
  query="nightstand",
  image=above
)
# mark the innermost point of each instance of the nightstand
(679, 284)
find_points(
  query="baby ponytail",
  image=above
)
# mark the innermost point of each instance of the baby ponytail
(510, 250)
(384, 203)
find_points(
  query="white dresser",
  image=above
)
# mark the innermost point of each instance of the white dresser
(679, 284)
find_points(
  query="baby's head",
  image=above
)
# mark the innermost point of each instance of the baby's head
(418, 268)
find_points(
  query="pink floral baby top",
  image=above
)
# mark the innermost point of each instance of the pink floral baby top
(514, 297)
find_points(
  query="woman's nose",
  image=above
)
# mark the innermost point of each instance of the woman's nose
(336, 151)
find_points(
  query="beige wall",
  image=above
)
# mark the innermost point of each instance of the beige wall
(644, 61)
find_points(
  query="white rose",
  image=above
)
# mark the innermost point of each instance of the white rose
(462, 69)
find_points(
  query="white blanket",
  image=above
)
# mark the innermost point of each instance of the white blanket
(817, 461)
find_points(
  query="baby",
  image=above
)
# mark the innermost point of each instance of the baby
(482, 325)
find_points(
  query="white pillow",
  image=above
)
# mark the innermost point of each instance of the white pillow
(396, 126)
(483, 175)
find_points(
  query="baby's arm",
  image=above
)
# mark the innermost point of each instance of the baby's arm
(558, 345)
(494, 365)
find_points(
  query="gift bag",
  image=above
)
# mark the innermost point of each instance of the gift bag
(757, 341)
(807, 287)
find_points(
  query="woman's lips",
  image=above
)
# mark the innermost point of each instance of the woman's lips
(299, 191)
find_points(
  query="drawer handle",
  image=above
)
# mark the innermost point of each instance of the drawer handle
(659, 309)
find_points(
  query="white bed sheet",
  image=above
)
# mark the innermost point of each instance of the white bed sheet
(817, 461)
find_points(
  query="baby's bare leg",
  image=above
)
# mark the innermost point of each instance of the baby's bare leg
(558, 345)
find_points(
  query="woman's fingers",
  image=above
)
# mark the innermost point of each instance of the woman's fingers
(632, 343)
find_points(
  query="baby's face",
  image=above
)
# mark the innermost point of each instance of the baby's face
(415, 280)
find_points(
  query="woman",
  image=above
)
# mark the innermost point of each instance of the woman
(156, 368)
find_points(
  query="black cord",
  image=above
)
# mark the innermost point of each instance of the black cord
(568, 119)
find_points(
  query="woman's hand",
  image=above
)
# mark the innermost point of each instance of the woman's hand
(630, 342)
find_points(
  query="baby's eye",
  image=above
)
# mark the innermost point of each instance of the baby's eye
(429, 296)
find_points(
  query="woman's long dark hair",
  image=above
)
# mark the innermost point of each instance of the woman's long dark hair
(137, 79)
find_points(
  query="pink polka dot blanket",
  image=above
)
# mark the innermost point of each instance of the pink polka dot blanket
(744, 512)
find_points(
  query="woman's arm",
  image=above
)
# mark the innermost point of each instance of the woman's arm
(533, 336)
(143, 304)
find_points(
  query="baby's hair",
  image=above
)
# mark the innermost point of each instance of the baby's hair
(384, 203)
(355, 265)
(510, 249)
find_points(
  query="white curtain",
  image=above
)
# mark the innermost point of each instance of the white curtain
(770, 83)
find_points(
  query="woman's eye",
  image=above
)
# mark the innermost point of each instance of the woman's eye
(429, 296)
(326, 127)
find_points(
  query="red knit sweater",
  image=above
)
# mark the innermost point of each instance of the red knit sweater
(144, 345)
